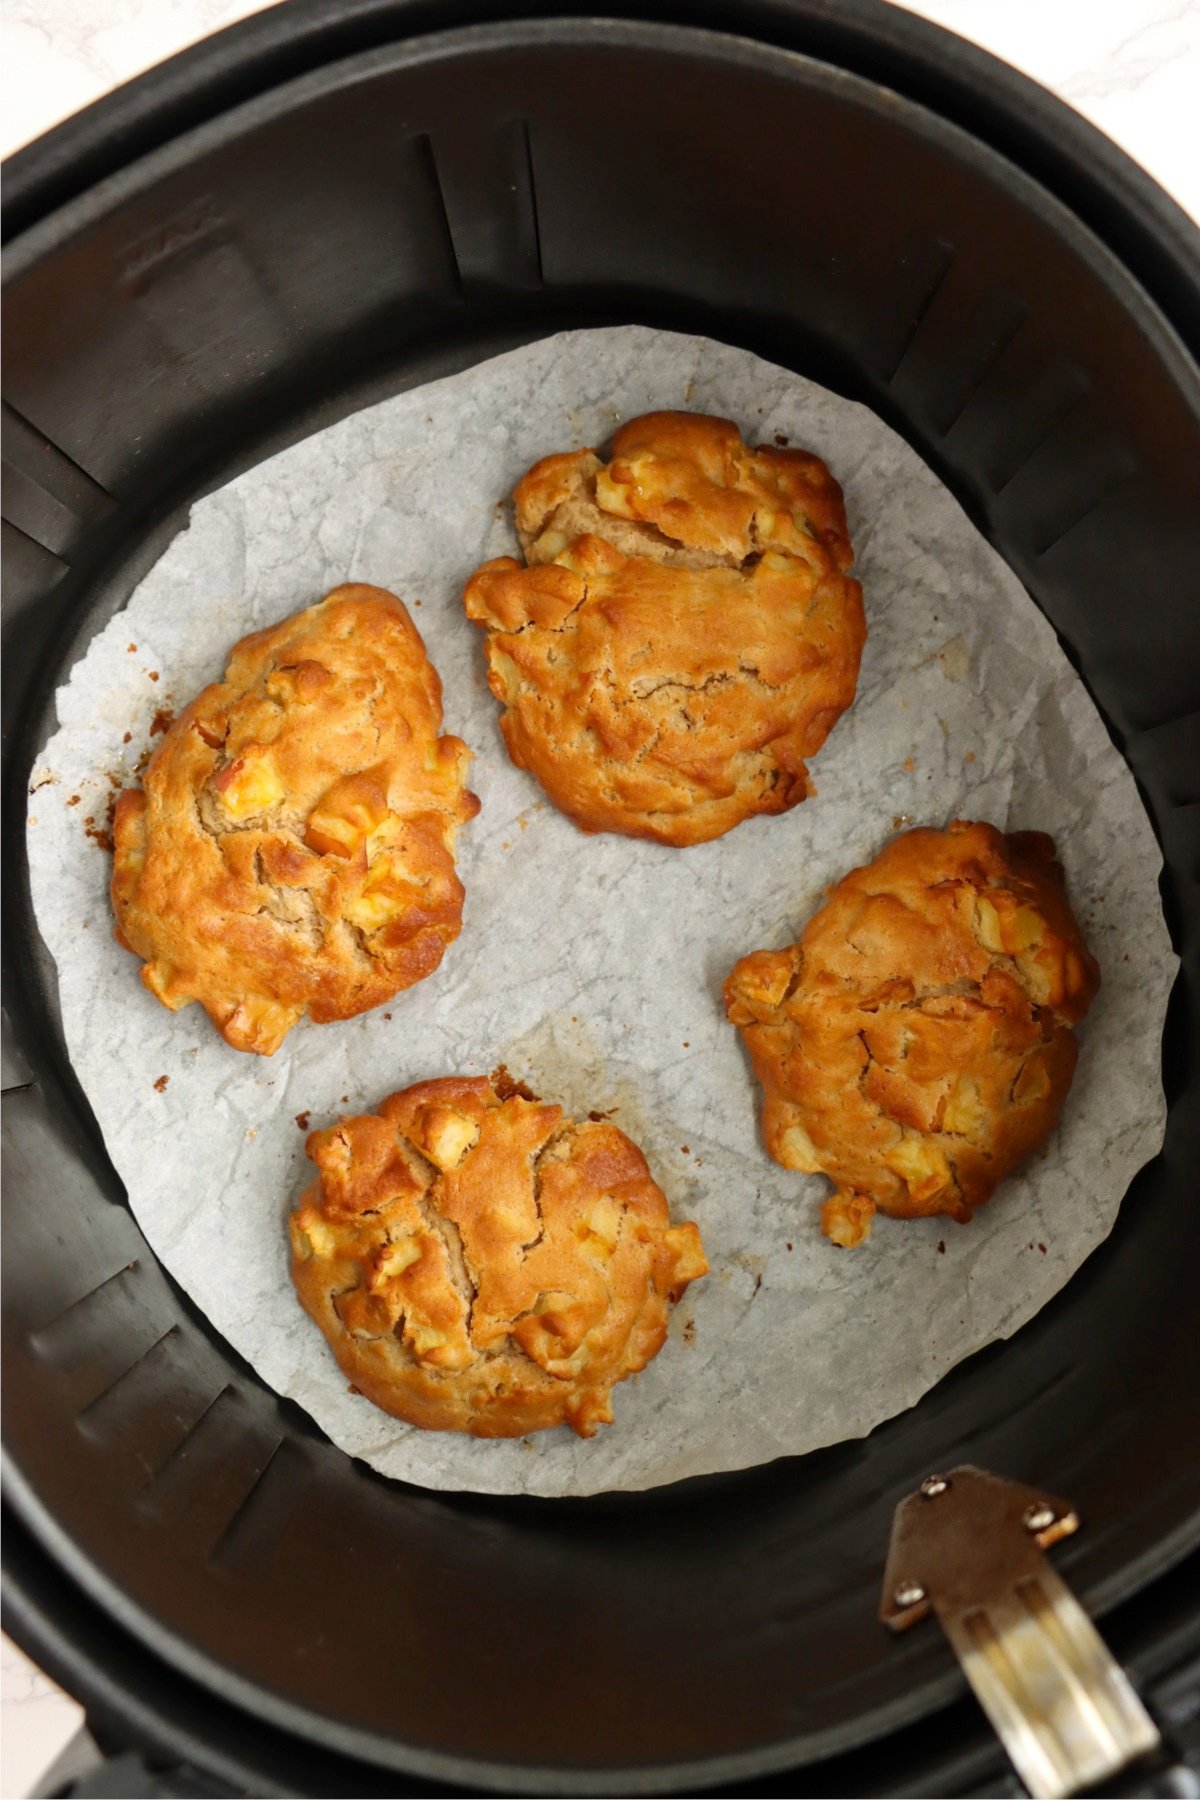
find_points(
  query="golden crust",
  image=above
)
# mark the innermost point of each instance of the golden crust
(917, 1043)
(480, 1264)
(684, 633)
(292, 847)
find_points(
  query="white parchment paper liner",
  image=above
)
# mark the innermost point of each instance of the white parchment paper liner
(593, 966)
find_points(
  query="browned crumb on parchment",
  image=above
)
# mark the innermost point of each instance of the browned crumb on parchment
(508, 1087)
(101, 834)
(160, 1086)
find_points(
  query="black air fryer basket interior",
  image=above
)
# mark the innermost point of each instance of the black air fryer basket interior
(302, 216)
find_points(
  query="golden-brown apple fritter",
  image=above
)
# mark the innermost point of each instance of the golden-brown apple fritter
(481, 1264)
(683, 634)
(292, 846)
(918, 1042)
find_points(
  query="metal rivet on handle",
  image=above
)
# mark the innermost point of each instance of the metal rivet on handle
(909, 1593)
(933, 1485)
(1040, 1518)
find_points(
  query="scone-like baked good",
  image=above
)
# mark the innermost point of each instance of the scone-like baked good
(918, 1043)
(292, 847)
(684, 633)
(481, 1264)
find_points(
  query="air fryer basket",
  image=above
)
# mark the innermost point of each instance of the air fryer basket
(310, 212)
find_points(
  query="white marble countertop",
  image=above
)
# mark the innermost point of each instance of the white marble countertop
(1131, 66)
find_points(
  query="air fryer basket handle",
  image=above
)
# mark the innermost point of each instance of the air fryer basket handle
(969, 1546)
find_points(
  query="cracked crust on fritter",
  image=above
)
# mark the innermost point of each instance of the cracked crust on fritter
(292, 847)
(918, 1043)
(684, 633)
(479, 1263)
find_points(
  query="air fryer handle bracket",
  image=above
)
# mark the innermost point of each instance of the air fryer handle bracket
(969, 1546)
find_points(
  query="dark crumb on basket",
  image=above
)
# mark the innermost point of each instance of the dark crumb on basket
(74, 800)
(789, 1246)
(416, 603)
(345, 1099)
(970, 756)
(686, 1044)
(132, 648)
(683, 1150)
(128, 738)
(153, 674)
(1042, 1248)
(689, 1331)
(941, 1246)
(507, 1086)
(782, 439)
(598, 1118)
(160, 1086)
(388, 1017)
(162, 721)
(757, 1285)
(302, 1120)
